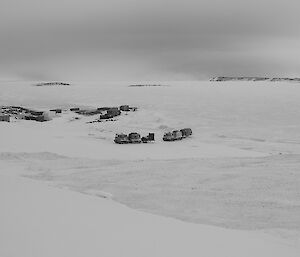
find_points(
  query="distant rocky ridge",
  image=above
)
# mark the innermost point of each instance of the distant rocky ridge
(147, 85)
(255, 79)
(52, 84)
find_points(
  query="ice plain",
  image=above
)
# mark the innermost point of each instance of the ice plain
(239, 170)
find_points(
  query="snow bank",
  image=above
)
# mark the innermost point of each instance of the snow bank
(36, 221)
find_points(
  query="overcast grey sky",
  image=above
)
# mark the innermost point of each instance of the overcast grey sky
(149, 40)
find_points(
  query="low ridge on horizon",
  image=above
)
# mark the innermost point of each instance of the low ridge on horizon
(238, 78)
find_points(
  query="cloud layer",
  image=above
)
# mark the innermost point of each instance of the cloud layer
(137, 39)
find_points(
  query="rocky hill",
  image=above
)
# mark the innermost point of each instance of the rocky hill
(53, 84)
(254, 79)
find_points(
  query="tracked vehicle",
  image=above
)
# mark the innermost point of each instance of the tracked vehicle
(121, 139)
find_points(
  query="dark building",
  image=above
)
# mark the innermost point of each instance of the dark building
(36, 113)
(103, 108)
(56, 110)
(125, 108)
(74, 109)
(114, 111)
(5, 118)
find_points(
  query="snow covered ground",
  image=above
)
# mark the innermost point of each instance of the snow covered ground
(41, 221)
(239, 170)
